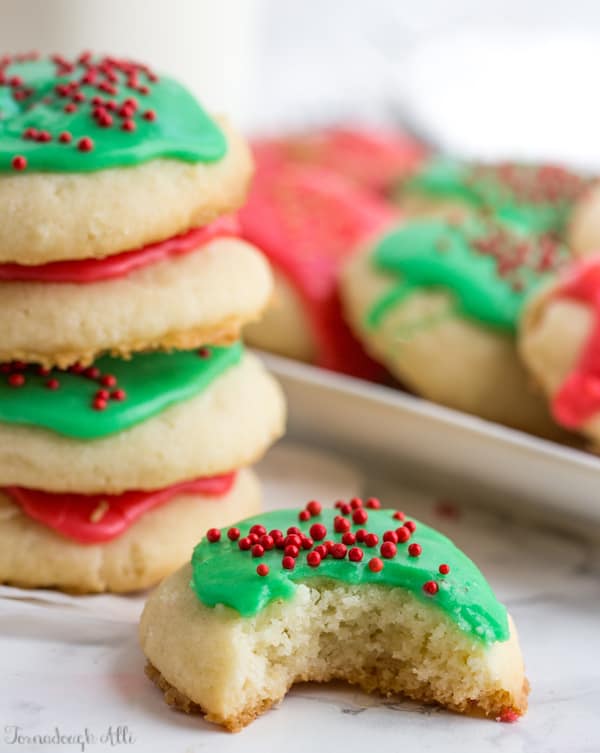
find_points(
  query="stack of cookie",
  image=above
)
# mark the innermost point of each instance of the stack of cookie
(128, 408)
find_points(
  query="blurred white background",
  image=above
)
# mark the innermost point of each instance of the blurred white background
(491, 78)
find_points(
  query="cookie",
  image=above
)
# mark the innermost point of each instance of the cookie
(559, 341)
(371, 158)
(365, 596)
(141, 424)
(34, 554)
(100, 155)
(536, 198)
(584, 227)
(307, 221)
(201, 287)
(439, 303)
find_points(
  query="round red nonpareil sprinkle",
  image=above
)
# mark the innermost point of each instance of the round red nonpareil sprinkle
(108, 380)
(411, 525)
(118, 395)
(391, 536)
(307, 543)
(294, 530)
(341, 525)
(258, 550)
(102, 395)
(403, 535)
(371, 539)
(399, 515)
(444, 569)
(349, 538)
(375, 565)
(338, 551)
(262, 569)
(360, 535)
(258, 529)
(318, 531)
(314, 507)
(85, 144)
(360, 517)
(253, 538)
(233, 534)
(19, 162)
(313, 558)
(415, 550)
(291, 551)
(267, 542)
(293, 540)
(244, 544)
(16, 380)
(52, 384)
(304, 515)
(99, 404)
(289, 563)
(356, 502)
(65, 137)
(431, 587)
(373, 503)
(213, 535)
(355, 554)
(388, 550)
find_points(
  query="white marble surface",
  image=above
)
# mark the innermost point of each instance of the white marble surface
(74, 663)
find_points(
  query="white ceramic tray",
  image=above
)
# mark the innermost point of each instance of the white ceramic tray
(443, 450)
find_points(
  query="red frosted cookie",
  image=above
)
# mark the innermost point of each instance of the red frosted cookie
(372, 158)
(308, 220)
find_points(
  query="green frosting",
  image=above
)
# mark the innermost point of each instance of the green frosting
(224, 574)
(181, 129)
(151, 382)
(490, 269)
(537, 198)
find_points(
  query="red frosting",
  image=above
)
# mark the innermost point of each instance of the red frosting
(372, 158)
(119, 265)
(96, 518)
(308, 221)
(578, 398)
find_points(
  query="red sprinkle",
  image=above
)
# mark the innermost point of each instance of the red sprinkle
(314, 507)
(129, 125)
(355, 554)
(52, 384)
(108, 380)
(118, 395)
(313, 558)
(258, 550)
(149, 115)
(444, 569)
(19, 162)
(361, 534)
(341, 525)
(267, 542)
(233, 534)
(16, 380)
(102, 395)
(99, 404)
(388, 550)
(304, 515)
(356, 502)
(85, 144)
(375, 565)
(411, 525)
(244, 544)
(431, 587)
(349, 538)
(291, 551)
(65, 137)
(373, 503)
(92, 372)
(262, 569)
(213, 535)
(289, 563)
(338, 551)
(71, 107)
(360, 517)
(258, 529)
(294, 530)
(318, 531)
(415, 550)
(371, 539)
(403, 534)
(399, 515)
(307, 543)
(391, 536)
